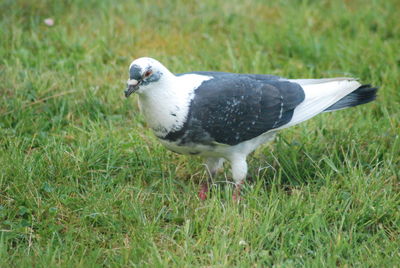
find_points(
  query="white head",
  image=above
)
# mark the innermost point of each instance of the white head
(144, 72)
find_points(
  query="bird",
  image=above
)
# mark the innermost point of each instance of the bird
(224, 116)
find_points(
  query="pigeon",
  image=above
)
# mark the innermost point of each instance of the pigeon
(226, 116)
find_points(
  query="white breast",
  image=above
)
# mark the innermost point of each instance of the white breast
(165, 104)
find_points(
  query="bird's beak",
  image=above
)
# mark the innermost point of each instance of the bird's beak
(133, 85)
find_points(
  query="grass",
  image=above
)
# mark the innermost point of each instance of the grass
(84, 183)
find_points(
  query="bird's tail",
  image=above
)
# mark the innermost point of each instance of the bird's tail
(330, 94)
(363, 94)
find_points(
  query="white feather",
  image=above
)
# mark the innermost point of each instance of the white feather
(304, 82)
(165, 103)
(319, 96)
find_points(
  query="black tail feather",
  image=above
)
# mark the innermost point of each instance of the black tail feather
(363, 94)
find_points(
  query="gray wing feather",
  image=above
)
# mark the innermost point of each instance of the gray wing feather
(232, 108)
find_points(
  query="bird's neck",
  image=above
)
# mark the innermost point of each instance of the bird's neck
(165, 105)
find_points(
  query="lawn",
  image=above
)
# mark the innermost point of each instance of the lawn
(84, 183)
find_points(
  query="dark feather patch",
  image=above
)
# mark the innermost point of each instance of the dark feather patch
(362, 95)
(232, 108)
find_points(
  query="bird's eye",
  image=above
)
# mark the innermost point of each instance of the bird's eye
(148, 73)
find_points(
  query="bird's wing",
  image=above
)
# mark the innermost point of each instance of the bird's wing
(230, 109)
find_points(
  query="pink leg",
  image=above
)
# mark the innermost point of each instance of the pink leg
(236, 193)
(212, 164)
(203, 191)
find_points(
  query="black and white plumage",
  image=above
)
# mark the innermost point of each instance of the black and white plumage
(226, 116)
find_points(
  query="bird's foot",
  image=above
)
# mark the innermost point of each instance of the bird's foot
(236, 197)
(203, 191)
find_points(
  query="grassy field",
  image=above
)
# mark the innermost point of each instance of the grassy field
(84, 183)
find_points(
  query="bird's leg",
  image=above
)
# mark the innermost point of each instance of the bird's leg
(239, 172)
(203, 190)
(213, 164)
(236, 192)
